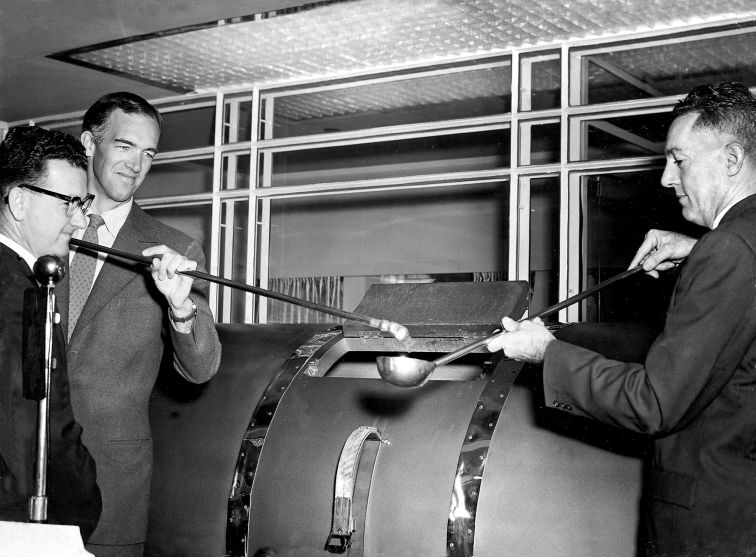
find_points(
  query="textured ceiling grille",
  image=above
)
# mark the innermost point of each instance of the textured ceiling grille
(331, 39)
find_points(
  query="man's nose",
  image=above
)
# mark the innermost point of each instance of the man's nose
(78, 219)
(669, 177)
(134, 163)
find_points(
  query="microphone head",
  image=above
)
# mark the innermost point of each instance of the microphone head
(49, 267)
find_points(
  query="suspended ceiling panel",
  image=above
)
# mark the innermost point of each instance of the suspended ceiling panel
(342, 38)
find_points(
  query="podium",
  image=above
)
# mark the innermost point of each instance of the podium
(22, 539)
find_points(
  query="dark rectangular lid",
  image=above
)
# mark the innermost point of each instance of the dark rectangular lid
(442, 309)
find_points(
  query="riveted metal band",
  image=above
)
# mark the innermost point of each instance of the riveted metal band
(304, 359)
(460, 531)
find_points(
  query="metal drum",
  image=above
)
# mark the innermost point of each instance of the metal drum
(197, 432)
(311, 453)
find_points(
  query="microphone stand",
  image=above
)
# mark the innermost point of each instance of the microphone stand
(48, 270)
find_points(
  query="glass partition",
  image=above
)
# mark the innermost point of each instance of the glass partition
(411, 100)
(180, 177)
(540, 79)
(672, 66)
(540, 142)
(641, 135)
(334, 247)
(187, 129)
(232, 261)
(194, 220)
(480, 150)
(617, 210)
(544, 243)
(235, 171)
(237, 119)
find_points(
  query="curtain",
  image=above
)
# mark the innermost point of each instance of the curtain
(326, 291)
(489, 276)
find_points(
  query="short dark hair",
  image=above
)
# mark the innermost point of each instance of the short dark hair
(96, 118)
(25, 151)
(727, 107)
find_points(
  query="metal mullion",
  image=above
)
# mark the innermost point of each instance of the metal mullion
(233, 121)
(659, 37)
(619, 106)
(567, 227)
(166, 106)
(398, 188)
(613, 164)
(517, 261)
(471, 61)
(326, 187)
(394, 133)
(292, 91)
(575, 246)
(229, 207)
(215, 216)
(616, 112)
(176, 200)
(546, 114)
(540, 170)
(639, 106)
(264, 224)
(186, 154)
(55, 120)
(229, 210)
(523, 228)
(264, 205)
(238, 146)
(252, 230)
(526, 77)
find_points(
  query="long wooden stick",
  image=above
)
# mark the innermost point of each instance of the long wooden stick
(399, 331)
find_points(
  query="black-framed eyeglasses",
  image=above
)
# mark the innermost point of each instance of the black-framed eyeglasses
(72, 203)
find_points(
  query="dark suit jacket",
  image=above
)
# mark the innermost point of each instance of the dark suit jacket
(695, 394)
(73, 496)
(114, 354)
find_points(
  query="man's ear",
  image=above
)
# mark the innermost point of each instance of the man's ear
(17, 204)
(735, 158)
(87, 139)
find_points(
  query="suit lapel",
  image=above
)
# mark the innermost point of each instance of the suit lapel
(136, 235)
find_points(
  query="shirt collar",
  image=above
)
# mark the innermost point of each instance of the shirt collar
(722, 213)
(115, 218)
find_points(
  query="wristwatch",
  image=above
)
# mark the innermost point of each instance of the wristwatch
(184, 319)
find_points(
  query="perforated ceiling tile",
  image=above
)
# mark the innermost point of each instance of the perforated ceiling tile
(340, 38)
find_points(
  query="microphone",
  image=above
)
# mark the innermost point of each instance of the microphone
(49, 268)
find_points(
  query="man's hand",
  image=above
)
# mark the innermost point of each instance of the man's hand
(522, 340)
(662, 250)
(174, 287)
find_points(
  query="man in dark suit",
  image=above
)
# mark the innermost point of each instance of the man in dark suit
(43, 191)
(129, 317)
(695, 394)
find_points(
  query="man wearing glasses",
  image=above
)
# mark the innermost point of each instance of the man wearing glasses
(43, 187)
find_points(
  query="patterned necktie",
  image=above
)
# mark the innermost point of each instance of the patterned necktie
(82, 273)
